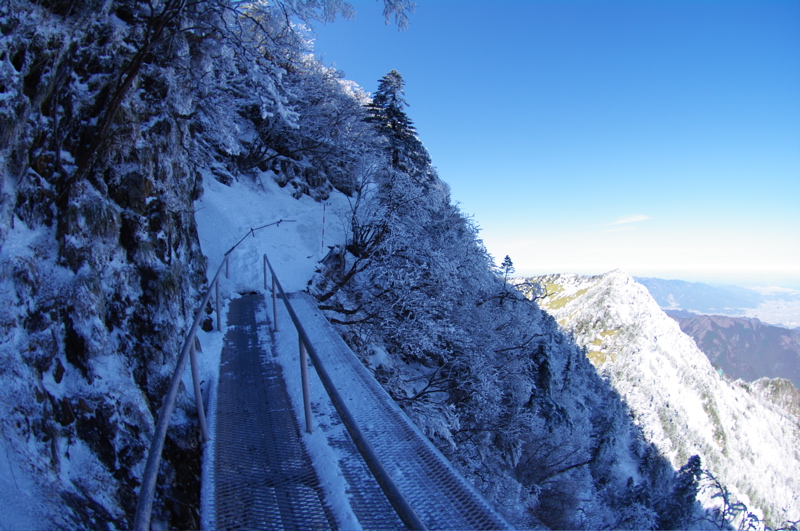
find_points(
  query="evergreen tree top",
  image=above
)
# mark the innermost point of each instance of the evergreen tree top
(391, 91)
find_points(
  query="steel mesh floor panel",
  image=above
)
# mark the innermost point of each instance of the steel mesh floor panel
(367, 500)
(263, 476)
(442, 498)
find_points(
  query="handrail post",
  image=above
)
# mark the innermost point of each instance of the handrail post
(198, 394)
(265, 271)
(226, 266)
(219, 319)
(274, 303)
(304, 378)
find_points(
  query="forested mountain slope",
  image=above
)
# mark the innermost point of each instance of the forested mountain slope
(113, 113)
(744, 347)
(678, 399)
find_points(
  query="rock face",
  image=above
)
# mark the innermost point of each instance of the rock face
(101, 265)
(680, 401)
(745, 348)
(111, 111)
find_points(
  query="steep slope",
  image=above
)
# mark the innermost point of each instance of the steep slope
(683, 406)
(745, 348)
(112, 114)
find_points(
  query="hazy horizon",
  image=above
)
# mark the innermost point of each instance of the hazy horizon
(750, 280)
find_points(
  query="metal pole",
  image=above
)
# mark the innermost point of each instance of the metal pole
(304, 377)
(265, 271)
(226, 266)
(198, 394)
(219, 320)
(322, 249)
(274, 303)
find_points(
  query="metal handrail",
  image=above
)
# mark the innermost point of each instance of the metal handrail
(144, 503)
(387, 484)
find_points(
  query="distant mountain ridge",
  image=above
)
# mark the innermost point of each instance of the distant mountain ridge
(699, 297)
(683, 405)
(774, 305)
(743, 347)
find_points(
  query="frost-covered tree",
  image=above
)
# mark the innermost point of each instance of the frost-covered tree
(677, 510)
(507, 267)
(387, 113)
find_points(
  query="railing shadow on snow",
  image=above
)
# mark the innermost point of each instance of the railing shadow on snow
(147, 490)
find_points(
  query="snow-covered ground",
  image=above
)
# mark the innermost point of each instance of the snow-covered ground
(225, 215)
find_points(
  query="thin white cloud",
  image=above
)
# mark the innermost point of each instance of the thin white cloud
(630, 219)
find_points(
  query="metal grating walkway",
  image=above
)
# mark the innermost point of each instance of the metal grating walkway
(367, 500)
(260, 472)
(263, 478)
(441, 497)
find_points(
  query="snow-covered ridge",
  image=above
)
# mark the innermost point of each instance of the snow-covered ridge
(680, 401)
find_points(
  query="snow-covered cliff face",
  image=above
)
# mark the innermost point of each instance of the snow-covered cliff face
(100, 260)
(681, 403)
(111, 111)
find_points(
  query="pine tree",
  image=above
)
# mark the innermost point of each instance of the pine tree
(677, 509)
(387, 113)
(508, 267)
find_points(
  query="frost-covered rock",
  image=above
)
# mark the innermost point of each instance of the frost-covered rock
(111, 114)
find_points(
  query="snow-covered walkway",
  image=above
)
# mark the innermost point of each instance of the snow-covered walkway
(266, 474)
(262, 475)
(440, 496)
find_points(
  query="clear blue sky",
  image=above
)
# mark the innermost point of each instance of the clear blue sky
(659, 137)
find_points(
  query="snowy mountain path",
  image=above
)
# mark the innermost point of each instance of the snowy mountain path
(439, 495)
(262, 474)
(261, 471)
